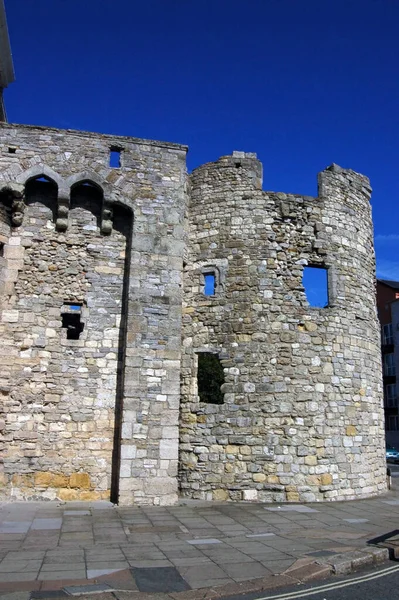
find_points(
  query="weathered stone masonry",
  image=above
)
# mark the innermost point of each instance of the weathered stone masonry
(302, 418)
(96, 362)
(95, 416)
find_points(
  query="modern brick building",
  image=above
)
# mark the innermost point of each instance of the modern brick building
(388, 313)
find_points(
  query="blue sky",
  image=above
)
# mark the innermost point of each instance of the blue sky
(303, 83)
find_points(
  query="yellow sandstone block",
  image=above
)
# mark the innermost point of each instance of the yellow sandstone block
(221, 495)
(79, 480)
(21, 481)
(273, 479)
(292, 496)
(351, 430)
(67, 494)
(313, 480)
(326, 479)
(59, 481)
(88, 496)
(43, 479)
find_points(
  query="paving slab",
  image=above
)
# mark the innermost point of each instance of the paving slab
(163, 579)
(207, 547)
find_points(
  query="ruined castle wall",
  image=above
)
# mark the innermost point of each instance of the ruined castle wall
(302, 418)
(61, 401)
(89, 417)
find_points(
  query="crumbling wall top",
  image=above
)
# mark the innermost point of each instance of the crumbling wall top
(111, 139)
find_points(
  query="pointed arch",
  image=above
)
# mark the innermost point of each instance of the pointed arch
(87, 176)
(42, 170)
(42, 189)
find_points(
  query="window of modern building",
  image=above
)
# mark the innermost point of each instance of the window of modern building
(389, 365)
(393, 423)
(391, 398)
(387, 334)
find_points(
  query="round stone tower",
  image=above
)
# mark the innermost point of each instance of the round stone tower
(299, 413)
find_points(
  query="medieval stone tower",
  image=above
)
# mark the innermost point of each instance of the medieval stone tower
(155, 336)
(301, 417)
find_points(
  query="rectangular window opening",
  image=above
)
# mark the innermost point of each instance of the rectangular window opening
(209, 284)
(391, 399)
(115, 158)
(71, 320)
(393, 423)
(12, 150)
(2, 248)
(315, 282)
(210, 378)
(387, 334)
(389, 365)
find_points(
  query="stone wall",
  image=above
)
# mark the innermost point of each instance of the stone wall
(96, 363)
(95, 416)
(302, 417)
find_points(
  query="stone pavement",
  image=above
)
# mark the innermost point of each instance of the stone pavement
(52, 550)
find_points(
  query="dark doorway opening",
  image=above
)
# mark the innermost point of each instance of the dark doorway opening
(210, 378)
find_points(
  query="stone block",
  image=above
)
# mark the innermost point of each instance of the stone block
(169, 449)
(273, 479)
(79, 480)
(10, 316)
(250, 495)
(351, 430)
(128, 451)
(160, 486)
(43, 479)
(220, 495)
(15, 252)
(326, 479)
(67, 494)
(293, 497)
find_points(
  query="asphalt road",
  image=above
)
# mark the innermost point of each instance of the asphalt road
(380, 583)
(394, 473)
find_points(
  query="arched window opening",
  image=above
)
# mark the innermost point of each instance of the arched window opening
(88, 196)
(210, 378)
(43, 190)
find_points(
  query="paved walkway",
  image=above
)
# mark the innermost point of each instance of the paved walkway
(76, 548)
